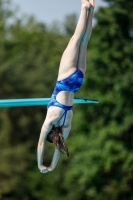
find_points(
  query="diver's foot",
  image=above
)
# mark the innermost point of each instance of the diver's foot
(92, 3)
(88, 3)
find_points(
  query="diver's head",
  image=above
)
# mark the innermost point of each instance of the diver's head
(55, 136)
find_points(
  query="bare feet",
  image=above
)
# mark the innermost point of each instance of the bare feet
(92, 3)
(88, 3)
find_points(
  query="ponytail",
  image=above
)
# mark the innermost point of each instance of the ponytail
(55, 137)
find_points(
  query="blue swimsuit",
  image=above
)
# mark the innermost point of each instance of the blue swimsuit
(72, 84)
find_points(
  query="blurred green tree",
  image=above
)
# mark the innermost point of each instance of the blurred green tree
(30, 55)
(70, 24)
(103, 139)
(101, 144)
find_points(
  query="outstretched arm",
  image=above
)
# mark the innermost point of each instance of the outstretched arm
(41, 147)
(54, 160)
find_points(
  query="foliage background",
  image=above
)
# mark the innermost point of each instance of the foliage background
(101, 141)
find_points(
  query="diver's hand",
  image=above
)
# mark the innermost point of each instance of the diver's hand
(43, 169)
(50, 169)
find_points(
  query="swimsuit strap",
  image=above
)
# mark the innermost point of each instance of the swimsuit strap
(64, 114)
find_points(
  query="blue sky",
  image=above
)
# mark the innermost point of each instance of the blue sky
(48, 11)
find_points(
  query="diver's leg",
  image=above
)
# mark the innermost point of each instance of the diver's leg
(83, 46)
(70, 56)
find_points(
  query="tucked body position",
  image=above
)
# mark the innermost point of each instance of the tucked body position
(57, 124)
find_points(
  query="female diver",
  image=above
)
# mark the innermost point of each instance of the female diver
(57, 124)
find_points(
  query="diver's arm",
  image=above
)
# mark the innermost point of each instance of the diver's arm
(41, 147)
(65, 131)
(54, 160)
